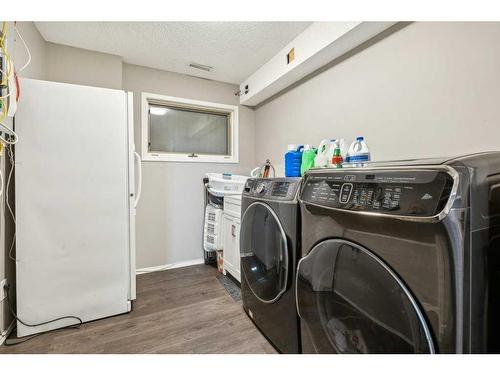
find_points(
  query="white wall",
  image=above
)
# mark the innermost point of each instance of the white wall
(430, 89)
(36, 69)
(170, 213)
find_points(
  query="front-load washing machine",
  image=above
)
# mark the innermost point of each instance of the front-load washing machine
(401, 257)
(269, 249)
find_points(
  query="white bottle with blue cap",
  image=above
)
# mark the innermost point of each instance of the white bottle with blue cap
(358, 154)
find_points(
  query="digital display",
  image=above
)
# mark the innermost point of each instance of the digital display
(280, 189)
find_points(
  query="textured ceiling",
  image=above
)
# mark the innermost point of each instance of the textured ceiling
(234, 49)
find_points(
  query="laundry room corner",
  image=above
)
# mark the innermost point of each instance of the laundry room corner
(169, 229)
(170, 212)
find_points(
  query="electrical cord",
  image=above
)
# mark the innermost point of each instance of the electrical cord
(10, 133)
(6, 332)
(20, 341)
(25, 46)
(1, 184)
(11, 74)
(8, 61)
(7, 201)
(9, 78)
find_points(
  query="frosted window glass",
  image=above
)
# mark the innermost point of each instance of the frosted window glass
(177, 130)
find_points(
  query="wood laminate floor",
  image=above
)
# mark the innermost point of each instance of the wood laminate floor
(184, 310)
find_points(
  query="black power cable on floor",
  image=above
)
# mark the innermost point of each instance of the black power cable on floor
(8, 342)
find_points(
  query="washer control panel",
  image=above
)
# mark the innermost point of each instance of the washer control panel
(397, 192)
(281, 189)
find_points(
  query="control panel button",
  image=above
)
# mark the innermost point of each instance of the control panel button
(392, 192)
(345, 193)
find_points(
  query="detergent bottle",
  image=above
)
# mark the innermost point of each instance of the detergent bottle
(358, 153)
(293, 160)
(321, 159)
(308, 157)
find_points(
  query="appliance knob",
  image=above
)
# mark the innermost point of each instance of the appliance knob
(259, 189)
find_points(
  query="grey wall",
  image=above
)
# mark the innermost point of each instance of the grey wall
(170, 213)
(79, 66)
(36, 69)
(430, 89)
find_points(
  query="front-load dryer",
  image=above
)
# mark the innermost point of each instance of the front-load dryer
(401, 257)
(269, 249)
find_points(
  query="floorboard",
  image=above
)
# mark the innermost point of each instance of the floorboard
(183, 310)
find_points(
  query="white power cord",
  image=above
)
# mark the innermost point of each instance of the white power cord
(27, 50)
(5, 332)
(10, 132)
(11, 82)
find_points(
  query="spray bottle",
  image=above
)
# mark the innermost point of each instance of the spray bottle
(337, 159)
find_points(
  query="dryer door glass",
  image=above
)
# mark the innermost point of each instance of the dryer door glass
(350, 301)
(264, 252)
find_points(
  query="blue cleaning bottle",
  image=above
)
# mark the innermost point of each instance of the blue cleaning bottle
(293, 160)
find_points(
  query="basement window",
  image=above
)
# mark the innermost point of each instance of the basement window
(184, 130)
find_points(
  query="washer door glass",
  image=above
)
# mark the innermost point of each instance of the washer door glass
(350, 301)
(264, 252)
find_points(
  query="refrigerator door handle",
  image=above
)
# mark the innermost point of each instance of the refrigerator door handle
(139, 179)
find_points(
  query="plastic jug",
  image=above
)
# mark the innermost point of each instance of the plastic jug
(358, 153)
(293, 160)
(321, 159)
(308, 156)
(326, 151)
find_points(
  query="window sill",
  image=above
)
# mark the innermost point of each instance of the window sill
(186, 159)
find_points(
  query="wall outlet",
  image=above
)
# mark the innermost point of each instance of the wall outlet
(3, 294)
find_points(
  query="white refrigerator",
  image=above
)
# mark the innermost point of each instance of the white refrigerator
(76, 194)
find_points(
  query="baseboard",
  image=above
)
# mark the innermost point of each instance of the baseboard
(164, 267)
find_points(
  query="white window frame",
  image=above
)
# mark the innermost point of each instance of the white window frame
(230, 110)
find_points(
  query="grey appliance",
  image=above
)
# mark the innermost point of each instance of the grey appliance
(401, 257)
(269, 248)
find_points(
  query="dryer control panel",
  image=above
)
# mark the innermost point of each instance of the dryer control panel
(394, 192)
(280, 189)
